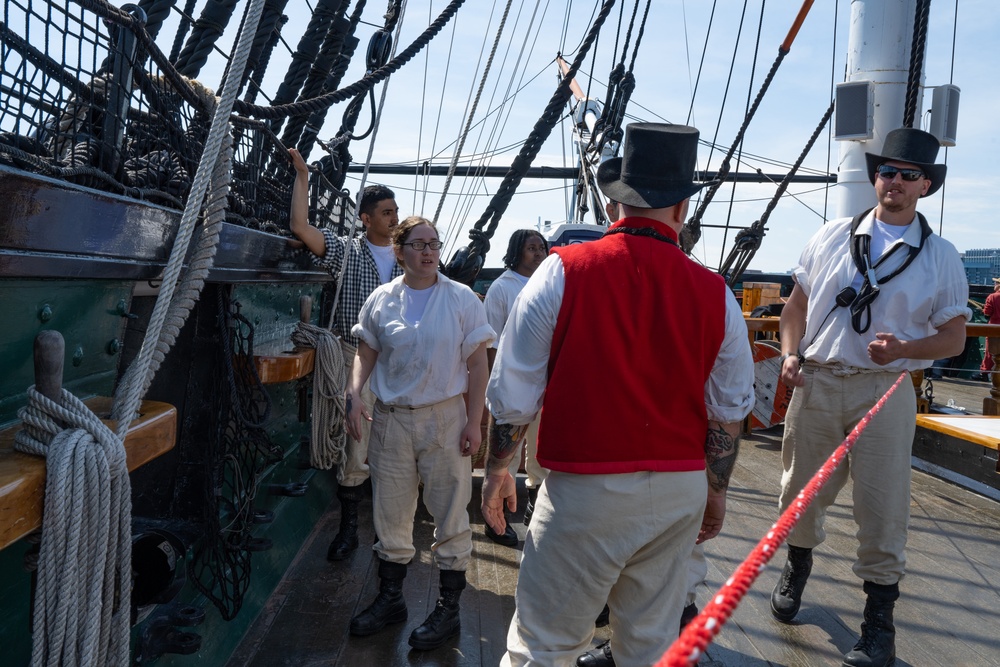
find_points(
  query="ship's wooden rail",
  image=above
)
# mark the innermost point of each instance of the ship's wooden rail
(22, 476)
(277, 365)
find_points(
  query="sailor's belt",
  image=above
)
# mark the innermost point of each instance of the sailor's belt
(843, 370)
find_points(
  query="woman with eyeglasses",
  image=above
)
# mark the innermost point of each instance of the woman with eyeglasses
(422, 341)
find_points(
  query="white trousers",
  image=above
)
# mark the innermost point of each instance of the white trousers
(637, 561)
(413, 445)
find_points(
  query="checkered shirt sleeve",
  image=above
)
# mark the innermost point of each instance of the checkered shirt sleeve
(360, 279)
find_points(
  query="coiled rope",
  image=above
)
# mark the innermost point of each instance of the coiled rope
(329, 407)
(82, 605)
(698, 634)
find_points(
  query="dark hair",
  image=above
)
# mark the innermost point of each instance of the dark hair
(371, 196)
(401, 232)
(515, 247)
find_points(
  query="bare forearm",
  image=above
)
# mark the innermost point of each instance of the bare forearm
(947, 342)
(722, 444)
(792, 325)
(479, 375)
(503, 441)
(298, 219)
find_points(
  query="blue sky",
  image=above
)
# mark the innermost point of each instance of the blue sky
(426, 102)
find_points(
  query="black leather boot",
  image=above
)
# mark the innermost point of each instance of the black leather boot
(346, 540)
(689, 614)
(508, 538)
(389, 606)
(877, 646)
(603, 618)
(601, 656)
(443, 623)
(786, 598)
(529, 507)
(597, 657)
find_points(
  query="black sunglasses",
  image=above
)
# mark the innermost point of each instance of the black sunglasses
(888, 172)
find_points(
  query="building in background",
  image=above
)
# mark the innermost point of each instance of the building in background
(982, 265)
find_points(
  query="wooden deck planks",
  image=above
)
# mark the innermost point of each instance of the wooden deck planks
(947, 613)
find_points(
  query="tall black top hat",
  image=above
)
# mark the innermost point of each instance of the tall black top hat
(907, 144)
(657, 169)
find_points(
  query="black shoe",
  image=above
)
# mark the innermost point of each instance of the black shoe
(346, 541)
(388, 607)
(508, 538)
(529, 507)
(786, 598)
(877, 646)
(597, 657)
(603, 618)
(688, 615)
(443, 623)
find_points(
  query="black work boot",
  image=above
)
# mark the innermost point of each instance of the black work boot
(443, 623)
(877, 646)
(689, 614)
(601, 656)
(786, 598)
(597, 657)
(389, 606)
(529, 507)
(508, 538)
(603, 618)
(346, 540)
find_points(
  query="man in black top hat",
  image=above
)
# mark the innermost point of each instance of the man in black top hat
(625, 432)
(874, 296)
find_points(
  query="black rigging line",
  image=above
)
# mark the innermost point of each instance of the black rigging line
(466, 262)
(748, 240)
(692, 230)
(916, 61)
(753, 72)
(701, 63)
(207, 30)
(363, 84)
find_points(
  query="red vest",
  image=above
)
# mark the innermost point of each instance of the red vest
(638, 331)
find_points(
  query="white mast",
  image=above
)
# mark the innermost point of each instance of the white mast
(879, 52)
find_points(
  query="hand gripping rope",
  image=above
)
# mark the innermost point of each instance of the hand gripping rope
(698, 634)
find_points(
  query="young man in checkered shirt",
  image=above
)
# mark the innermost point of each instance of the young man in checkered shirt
(370, 262)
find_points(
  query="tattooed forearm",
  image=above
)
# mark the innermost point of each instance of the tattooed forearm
(503, 440)
(722, 444)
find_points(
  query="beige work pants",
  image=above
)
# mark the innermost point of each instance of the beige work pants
(354, 470)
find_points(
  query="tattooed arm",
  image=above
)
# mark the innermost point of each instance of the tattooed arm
(498, 485)
(721, 448)
(503, 440)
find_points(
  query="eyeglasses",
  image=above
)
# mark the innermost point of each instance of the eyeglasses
(420, 245)
(888, 172)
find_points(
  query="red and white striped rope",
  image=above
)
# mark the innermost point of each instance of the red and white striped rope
(698, 634)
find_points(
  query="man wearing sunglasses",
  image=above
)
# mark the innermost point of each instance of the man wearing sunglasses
(874, 296)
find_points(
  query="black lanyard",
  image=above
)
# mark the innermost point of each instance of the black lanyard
(861, 305)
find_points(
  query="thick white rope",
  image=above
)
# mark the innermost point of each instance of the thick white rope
(83, 605)
(140, 374)
(83, 598)
(329, 437)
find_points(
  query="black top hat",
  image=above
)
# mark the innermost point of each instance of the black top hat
(907, 144)
(657, 169)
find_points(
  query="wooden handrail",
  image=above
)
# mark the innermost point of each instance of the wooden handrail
(972, 329)
(22, 476)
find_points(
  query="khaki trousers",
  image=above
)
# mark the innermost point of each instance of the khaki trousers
(354, 470)
(821, 414)
(410, 445)
(635, 559)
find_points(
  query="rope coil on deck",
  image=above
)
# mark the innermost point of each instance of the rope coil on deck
(329, 437)
(698, 634)
(83, 598)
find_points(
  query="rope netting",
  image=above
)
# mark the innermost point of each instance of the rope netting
(698, 634)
